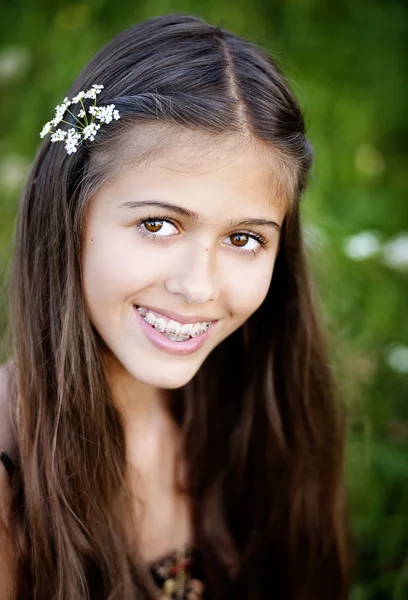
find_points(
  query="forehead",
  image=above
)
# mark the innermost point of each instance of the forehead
(209, 172)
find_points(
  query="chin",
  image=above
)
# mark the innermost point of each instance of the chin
(169, 378)
(161, 371)
(170, 382)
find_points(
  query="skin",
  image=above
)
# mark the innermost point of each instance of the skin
(203, 269)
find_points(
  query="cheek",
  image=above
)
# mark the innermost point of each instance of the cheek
(112, 273)
(248, 289)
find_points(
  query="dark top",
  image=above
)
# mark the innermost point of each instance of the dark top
(171, 574)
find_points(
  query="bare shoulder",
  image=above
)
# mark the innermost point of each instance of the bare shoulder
(7, 547)
(7, 437)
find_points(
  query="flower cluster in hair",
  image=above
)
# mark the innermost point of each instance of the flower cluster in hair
(85, 126)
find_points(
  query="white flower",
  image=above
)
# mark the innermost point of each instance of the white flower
(95, 89)
(105, 113)
(58, 135)
(79, 133)
(60, 111)
(78, 97)
(72, 141)
(89, 131)
(46, 129)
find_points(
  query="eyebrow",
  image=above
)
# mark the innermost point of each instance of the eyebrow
(189, 214)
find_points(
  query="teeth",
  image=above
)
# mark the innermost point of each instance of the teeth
(186, 329)
(172, 329)
(150, 318)
(197, 329)
(160, 324)
(176, 338)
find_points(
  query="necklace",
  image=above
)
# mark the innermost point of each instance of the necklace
(176, 572)
(181, 573)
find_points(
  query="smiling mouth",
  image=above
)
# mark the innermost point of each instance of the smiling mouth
(170, 329)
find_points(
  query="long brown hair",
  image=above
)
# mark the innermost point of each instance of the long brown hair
(262, 421)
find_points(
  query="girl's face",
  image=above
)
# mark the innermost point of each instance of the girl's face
(190, 237)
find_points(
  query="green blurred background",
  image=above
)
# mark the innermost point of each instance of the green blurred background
(346, 62)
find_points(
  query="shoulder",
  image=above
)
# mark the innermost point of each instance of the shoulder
(7, 437)
(7, 548)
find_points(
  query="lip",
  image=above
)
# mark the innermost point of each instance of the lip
(177, 317)
(178, 348)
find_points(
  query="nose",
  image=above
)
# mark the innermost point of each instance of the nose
(193, 277)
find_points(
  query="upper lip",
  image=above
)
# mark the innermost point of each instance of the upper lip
(176, 316)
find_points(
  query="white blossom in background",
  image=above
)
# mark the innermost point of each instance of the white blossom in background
(396, 357)
(362, 245)
(395, 252)
(83, 127)
(14, 63)
(13, 169)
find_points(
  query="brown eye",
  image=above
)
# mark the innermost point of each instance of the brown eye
(242, 239)
(153, 226)
(157, 227)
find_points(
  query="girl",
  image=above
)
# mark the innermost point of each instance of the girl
(171, 428)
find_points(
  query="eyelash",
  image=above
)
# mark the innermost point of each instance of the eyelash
(256, 236)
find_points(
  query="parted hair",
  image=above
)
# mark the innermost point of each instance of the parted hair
(262, 421)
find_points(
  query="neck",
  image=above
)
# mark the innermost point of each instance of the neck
(154, 464)
(140, 403)
(144, 408)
